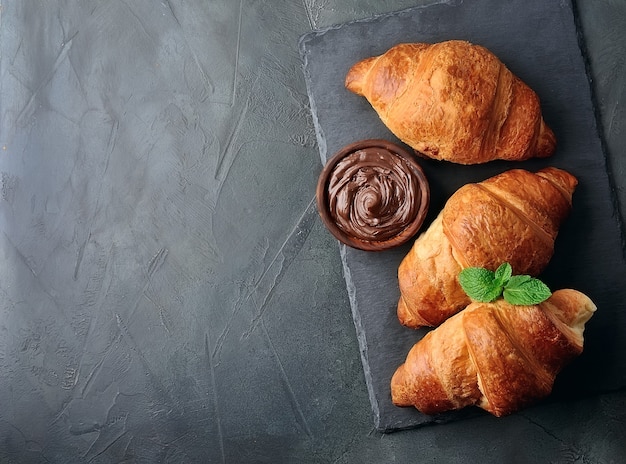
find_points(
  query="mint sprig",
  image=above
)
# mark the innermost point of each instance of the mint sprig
(485, 286)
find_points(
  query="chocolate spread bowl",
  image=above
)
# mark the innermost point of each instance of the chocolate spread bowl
(372, 195)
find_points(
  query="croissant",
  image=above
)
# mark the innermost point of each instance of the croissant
(513, 217)
(453, 101)
(496, 356)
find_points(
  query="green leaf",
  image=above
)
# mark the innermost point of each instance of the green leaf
(518, 280)
(525, 290)
(503, 273)
(480, 284)
(485, 286)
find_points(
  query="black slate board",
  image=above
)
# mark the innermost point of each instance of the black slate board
(538, 40)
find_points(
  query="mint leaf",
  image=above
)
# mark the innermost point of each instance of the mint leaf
(480, 284)
(503, 273)
(485, 286)
(490, 293)
(518, 280)
(525, 290)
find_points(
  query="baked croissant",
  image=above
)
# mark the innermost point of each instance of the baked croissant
(453, 101)
(496, 356)
(513, 217)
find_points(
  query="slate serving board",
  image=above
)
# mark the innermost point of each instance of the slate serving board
(539, 41)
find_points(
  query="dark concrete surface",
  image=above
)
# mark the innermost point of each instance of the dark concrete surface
(167, 291)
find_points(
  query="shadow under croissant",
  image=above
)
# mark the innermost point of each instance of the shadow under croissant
(474, 412)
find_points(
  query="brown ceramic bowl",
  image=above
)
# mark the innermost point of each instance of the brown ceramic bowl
(372, 195)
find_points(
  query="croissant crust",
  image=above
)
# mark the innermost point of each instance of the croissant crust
(453, 101)
(513, 217)
(496, 356)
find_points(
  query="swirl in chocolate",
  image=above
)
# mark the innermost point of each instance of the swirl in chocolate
(373, 194)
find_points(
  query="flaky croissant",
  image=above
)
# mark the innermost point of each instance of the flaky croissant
(453, 101)
(513, 217)
(496, 356)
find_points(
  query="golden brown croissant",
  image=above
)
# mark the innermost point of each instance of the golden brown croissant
(496, 356)
(513, 217)
(453, 101)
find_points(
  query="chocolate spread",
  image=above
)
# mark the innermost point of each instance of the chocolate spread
(373, 194)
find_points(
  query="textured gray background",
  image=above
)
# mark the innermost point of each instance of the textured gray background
(167, 291)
